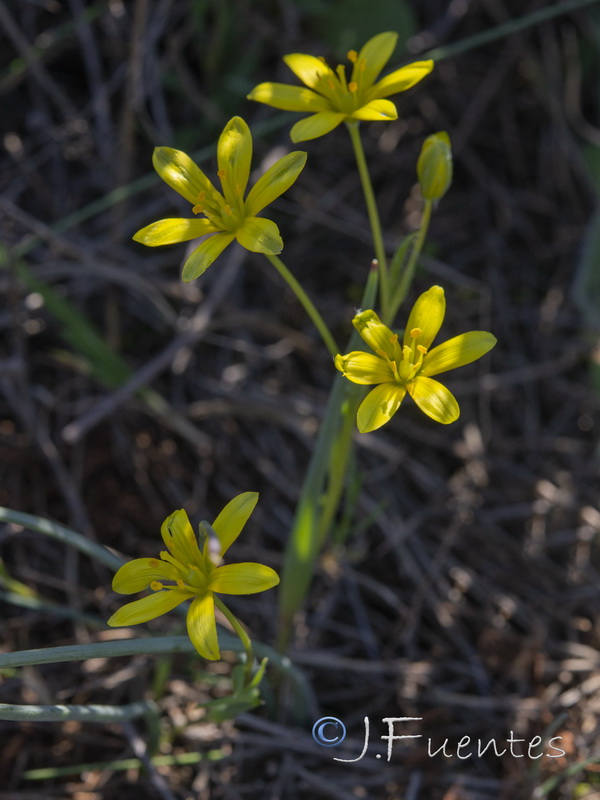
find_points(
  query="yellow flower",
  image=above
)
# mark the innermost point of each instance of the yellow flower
(226, 215)
(188, 573)
(408, 368)
(332, 98)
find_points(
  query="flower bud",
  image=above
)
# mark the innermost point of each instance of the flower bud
(434, 167)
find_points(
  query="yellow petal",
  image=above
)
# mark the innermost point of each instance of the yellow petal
(434, 399)
(230, 522)
(373, 57)
(179, 171)
(260, 235)
(138, 574)
(427, 315)
(311, 70)
(364, 368)
(248, 578)
(379, 406)
(204, 255)
(377, 335)
(316, 125)
(202, 628)
(288, 98)
(401, 79)
(178, 535)
(170, 231)
(457, 352)
(155, 605)
(376, 110)
(234, 156)
(276, 180)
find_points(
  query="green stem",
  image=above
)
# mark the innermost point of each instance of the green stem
(506, 29)
(409, 270)
(307, 304)
(307, 529)
(91, 713)
(62, 534)
(243, 637)
(374, 221)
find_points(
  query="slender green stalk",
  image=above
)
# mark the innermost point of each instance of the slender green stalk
(307, 304)
(91, 713)
(303, 546)
(507, 29)
(338, 464)
(243, 636)
(374, 221)
(121, 764)
(408, 272)
(159, 646)
(62, 534)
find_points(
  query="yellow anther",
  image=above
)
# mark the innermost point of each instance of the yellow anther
(415, 333)
(228, 211)
(156, 586)
(352, 56)
(221, 173)
(353, 87)
(363, 64)
(421, 349)
(197, 209)
(394, 338)
(180, 583)
(153, 562)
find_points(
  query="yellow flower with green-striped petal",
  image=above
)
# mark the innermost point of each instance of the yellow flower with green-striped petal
(227, 215)
(399, 369)
(186, 572)
(331, 98)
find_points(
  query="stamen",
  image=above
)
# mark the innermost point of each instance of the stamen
(156, 586)
(228, 211)
(353, 87)
(341, 73)
(331, 84)
(421, 349)
(180, 583)
(221, 173)
(363, 64)
(394, 338)
(415, 333)
(153, 562)
(322, 58)
(352, 55)
(171, 560)
(407, 351)
(197, 209)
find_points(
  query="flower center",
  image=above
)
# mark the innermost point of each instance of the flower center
(223, 215)
(412, 357)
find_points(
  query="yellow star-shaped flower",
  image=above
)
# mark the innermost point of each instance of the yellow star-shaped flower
(332, 98)
(185, 572)
(227, 215)
(399, 369)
